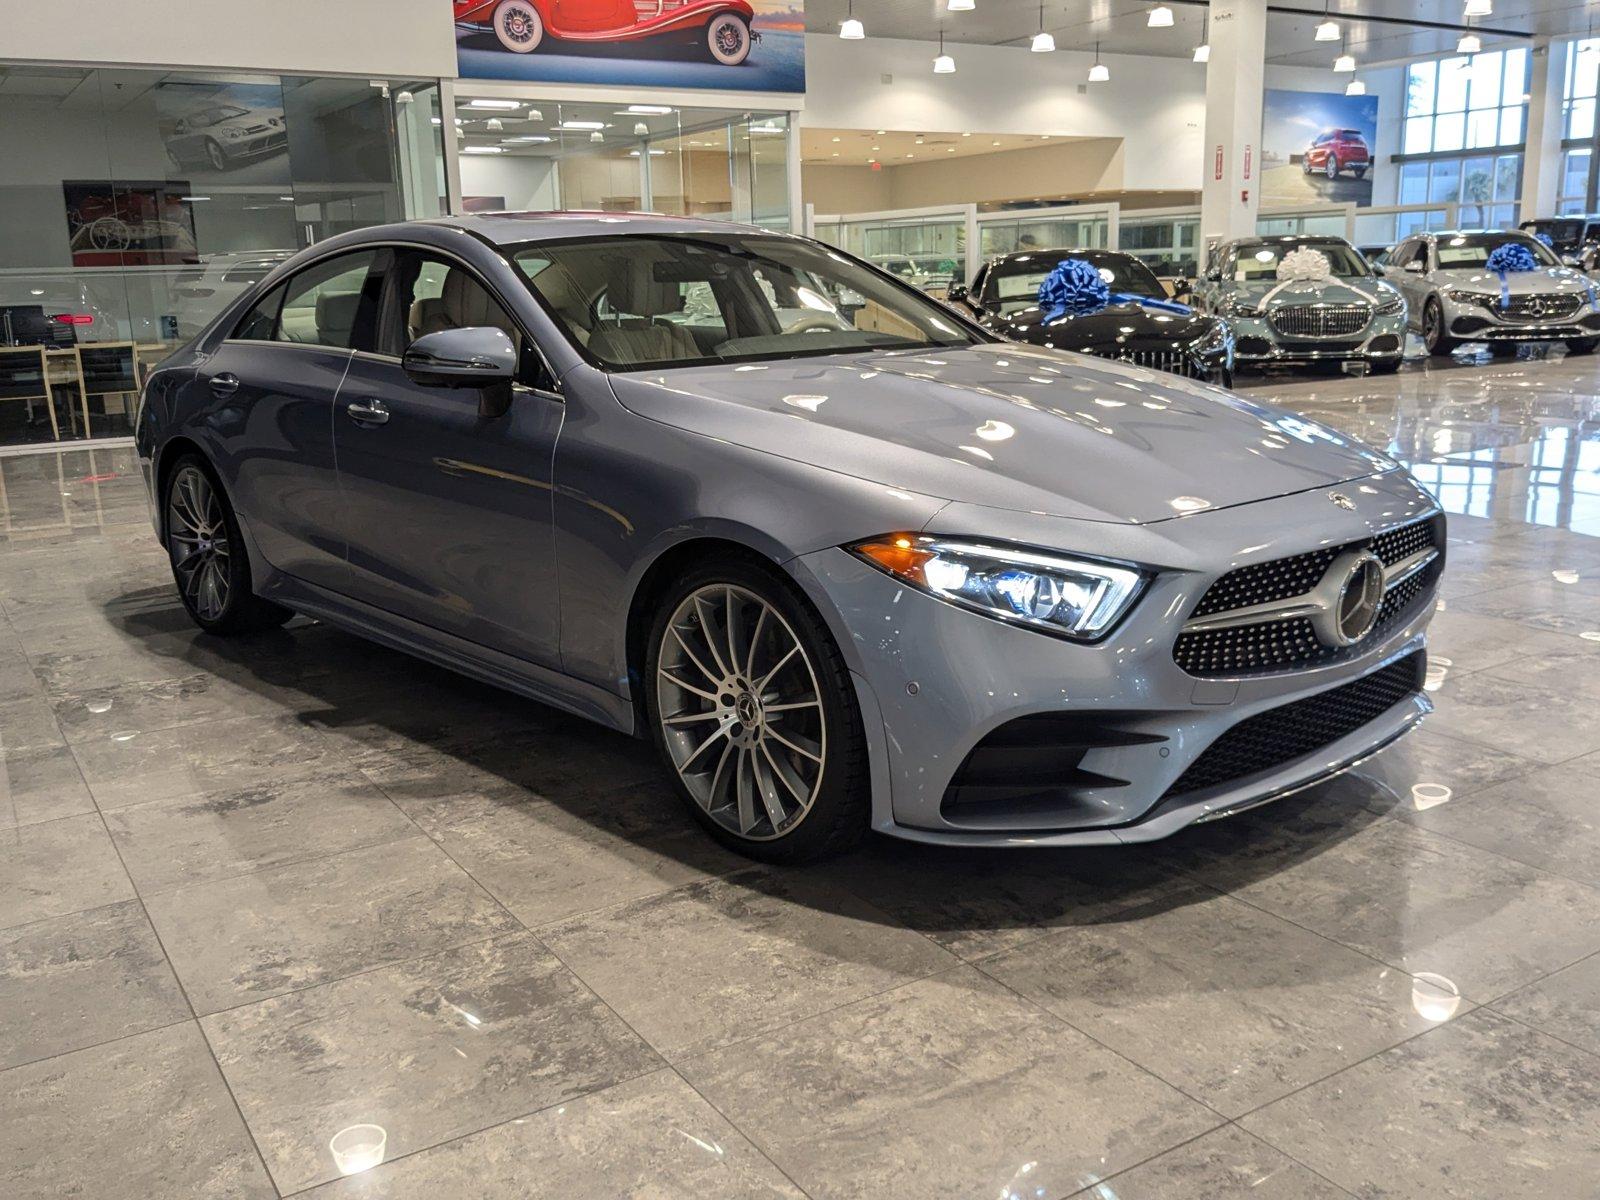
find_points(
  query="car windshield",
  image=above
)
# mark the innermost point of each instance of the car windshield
(1013, 282)
(667, 300)
(1257, 262)
(1467, 250)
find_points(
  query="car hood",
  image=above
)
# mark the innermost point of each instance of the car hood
(1128, 326)
(1009, 426)
(1545, 281)
(1305, 291)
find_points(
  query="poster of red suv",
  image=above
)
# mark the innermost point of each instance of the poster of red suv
(749, 45)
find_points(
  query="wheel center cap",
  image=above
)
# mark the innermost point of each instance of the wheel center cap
(747, 708)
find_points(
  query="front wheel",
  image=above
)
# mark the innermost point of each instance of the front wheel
(1582, 345)
(518, 26)
(209, 563)
(215, 155)
(752, 708)
(1438, 342)
(728, 39)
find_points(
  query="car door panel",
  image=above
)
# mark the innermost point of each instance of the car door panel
(447, 513)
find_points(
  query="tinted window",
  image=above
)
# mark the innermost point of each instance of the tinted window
(1259, 260)
(261, 322)
(637, 301)
(1466, 250)
(1014, 282)
(333, 303)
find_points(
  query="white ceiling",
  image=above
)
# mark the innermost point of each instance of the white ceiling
(1120, 25)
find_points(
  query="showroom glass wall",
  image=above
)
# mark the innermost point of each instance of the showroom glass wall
(727, 164)
(1580, 131)
(1462, 137)
(138, 203)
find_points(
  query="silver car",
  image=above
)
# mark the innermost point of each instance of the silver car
(1348, 317)
(876, 570)
(1455, 298)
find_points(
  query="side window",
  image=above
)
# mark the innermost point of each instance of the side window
(432, 293)
(333, 303)
(260, 324)
(1402, 254)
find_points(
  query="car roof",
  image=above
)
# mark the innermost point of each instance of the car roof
(1051, 251)
(507, 228)
(1285, 239)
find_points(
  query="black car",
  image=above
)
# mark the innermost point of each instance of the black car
(1004, 297)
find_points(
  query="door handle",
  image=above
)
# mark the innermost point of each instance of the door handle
(368, 414)
(225, 384)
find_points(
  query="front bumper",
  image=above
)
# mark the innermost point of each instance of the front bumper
(1474, 323)
(1257, 343)
(940, 680)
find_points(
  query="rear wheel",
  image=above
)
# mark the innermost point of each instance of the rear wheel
(1434, 336)
(1331, 169)
(752, 707)
(518, 26)
(209, 563)
(728, 39)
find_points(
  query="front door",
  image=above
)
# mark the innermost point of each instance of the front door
(273, 383)
(447, 513)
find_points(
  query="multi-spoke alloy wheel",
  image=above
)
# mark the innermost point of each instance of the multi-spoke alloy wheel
(197, 538)
(741, 712)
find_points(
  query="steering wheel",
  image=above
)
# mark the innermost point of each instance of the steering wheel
(815, 323)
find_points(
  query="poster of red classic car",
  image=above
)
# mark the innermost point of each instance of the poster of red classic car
(123, 224)
(745, 45)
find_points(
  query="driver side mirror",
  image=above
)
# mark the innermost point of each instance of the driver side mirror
(479, 356)
(1415, 266)
(1214, 275)
(957, 294)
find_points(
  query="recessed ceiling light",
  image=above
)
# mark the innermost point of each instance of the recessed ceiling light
(503, 105)
(582, 125)
(961, 5)
(657, 110)
(482, 150)
(836, 139)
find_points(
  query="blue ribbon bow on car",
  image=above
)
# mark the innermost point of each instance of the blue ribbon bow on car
(1076, 287)
(1507, 259)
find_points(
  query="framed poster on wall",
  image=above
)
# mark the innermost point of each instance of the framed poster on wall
(736, 45)
(129, 224)
(1317, 148)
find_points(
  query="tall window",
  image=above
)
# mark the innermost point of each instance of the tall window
(1579, 127)
(1463, 135)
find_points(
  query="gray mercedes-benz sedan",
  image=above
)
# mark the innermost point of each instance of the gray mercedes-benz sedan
(850, 560)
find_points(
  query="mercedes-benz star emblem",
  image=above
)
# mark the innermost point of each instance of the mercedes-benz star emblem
(1341, 500)
(1350, 595)
(1536, 306)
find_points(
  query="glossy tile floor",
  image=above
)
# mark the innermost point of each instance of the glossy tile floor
(256, 897)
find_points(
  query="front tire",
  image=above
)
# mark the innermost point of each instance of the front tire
(728, 39)
(518, 26)
(209, 563)
(752, 708)
(1439, 343)
(215, 156)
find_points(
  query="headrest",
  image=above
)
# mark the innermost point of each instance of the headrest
(631, 288)
(466, 304)
(336, 313)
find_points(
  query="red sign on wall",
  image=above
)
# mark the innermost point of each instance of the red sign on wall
(1218, 169)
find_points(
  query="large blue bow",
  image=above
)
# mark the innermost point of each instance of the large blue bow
(1510, 258)
(1076, 287)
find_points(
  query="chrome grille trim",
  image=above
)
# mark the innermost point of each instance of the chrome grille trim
(1538, 306)
(1320, 320)
(1306, 605)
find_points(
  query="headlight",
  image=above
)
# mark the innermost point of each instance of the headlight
(1482, 299)
(1216, 341)
(1073, 597)
(1392, 307)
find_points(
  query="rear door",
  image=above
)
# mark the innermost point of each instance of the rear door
(447, 513)
(273, 383)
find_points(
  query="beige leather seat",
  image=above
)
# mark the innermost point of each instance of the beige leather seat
(462, 303)
(561, 292)
(631, 287)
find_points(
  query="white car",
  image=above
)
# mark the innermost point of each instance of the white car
(200, 294)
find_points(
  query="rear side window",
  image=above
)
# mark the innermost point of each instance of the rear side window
(260, 324)
(334, 303)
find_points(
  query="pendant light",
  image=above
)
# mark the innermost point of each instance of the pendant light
(1479, 8)
(961, 5)
(1160, 17)
(944, 64)
(1345, 63)
(1328, 30)
(850, 29)
(1099, 73)
(1043, 43)
(1355, 88)
(1202, 52)
(1470, 42)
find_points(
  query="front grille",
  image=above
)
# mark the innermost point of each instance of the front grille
(1539, 307)
(1321, 320)
(1291, 643)
(1281, 735)
(1175, 362)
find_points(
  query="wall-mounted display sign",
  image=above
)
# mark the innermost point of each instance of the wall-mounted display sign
(1317, 148)
(122, 224)
(736, 45)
